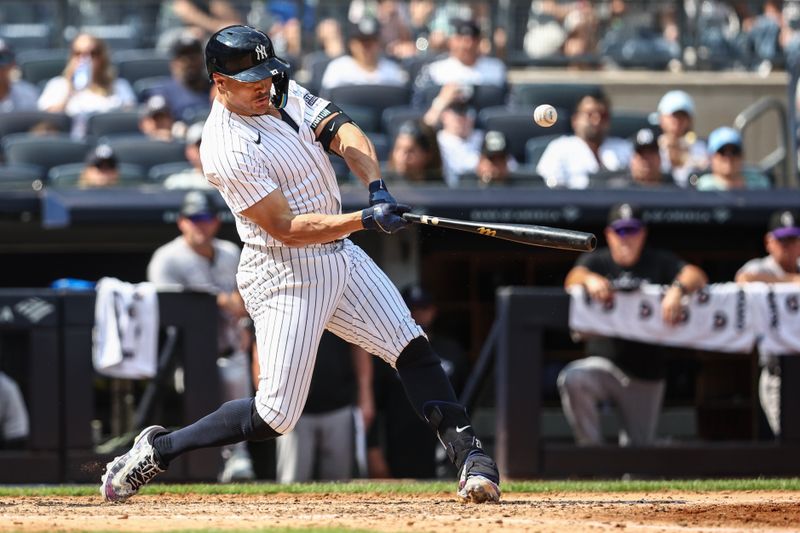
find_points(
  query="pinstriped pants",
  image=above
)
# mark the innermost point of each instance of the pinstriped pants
(293, 295)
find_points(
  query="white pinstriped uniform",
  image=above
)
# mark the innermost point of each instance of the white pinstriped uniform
(294, 293)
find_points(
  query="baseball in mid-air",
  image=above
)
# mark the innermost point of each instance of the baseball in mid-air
(545, 115)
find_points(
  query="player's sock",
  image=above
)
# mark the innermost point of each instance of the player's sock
(234, 421)
(423, 378)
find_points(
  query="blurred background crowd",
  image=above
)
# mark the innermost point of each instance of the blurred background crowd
(428, 80)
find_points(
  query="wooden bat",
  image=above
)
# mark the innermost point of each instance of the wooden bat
(563, 239)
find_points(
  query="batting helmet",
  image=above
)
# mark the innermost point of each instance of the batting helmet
(246, 54)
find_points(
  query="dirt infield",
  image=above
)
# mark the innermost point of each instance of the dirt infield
(564, 512)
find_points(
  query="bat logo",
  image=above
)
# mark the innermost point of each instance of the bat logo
(261, 52)
(487, 231)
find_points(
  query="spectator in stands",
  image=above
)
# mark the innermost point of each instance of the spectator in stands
(197, 260)
(567, 28)
(101, 169)
(322, 446)
(364, 64)
(780, 265)
(15, 95)
(682, 152)
(155, 119)
(459, 141)
(496, 165)
(464, 66)
(727, 167)
(14, 423)
(87, 85)
(629, 374)
(570, 159)
(330, 38)
(399, 445)
(192, 177)
(645, 168)
(203, 17)
(415, 155)
(187, 90)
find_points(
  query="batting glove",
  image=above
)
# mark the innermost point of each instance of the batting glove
(385, 217)
(379, 194)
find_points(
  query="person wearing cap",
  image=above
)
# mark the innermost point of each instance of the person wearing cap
(569, 160)
(15, 94)
(459, 141)
(192, 177)
(187, 91)
(682, 152)
(645, 167)
(155, 119)
(101, 168)
(399, 443)
(464, 66)
(87, 85)
(780, 265)
(496, 165)
(727, 164)
(415, 156)
(365, 64)
(629, 374)
(197, 260)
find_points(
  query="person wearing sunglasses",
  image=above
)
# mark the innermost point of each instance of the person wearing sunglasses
(726, 149)
(196, 260)
(631, 375)
(87, 85)
(780, 265)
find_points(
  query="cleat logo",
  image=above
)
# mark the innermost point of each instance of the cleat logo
(460, 429)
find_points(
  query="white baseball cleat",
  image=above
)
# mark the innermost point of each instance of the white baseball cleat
(126, 474)
(479, 480)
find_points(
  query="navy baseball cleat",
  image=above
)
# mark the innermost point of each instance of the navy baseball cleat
(479, 480)
(126, 474)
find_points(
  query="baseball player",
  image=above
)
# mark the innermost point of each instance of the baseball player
(264, 148)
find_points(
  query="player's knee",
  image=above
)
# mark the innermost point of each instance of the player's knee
(570, 380)
(260, 430)
(417, 353)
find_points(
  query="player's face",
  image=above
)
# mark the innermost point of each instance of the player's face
(591, 120)
(786, 251)
(244, 98)
(199, 231)
(626, 246)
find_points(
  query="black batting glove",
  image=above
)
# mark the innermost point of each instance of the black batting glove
(385, 217)
(379, 194)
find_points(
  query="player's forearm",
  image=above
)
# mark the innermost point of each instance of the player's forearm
(359, 153)
(313, 228)
(691, 278)
(576, 276)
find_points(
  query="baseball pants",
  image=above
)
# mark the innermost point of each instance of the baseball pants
(294, 294)
(585, 383)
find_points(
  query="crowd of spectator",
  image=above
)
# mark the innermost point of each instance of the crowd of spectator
(449, 58)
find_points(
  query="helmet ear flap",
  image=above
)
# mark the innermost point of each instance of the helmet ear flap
(280, 87)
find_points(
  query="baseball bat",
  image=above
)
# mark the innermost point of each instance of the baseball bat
(563, 239)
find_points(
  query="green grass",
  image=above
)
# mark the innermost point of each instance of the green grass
(420, 487)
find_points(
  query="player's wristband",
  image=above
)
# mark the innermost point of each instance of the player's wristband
(379, 194)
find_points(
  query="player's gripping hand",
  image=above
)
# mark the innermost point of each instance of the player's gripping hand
(379, 194)
(385, 217)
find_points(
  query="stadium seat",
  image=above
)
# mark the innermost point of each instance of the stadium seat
(158, 173)
(38, 66)
(394, 117)
(626, 123)
(116, 36)
(134, 65)
(372, 98)
(558, 95)
(314, 64)
(144, 86)
(67, 175)
(534, 148)
(27, 36)
(43, 151)
(23, 121)
(483, 96)
(20, 176)
(518, 126)
(113, 123)
(145, 152)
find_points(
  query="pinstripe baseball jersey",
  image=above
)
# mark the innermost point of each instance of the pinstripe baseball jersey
(246, 158)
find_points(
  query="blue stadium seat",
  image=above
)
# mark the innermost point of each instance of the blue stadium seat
(369, 98)
(145, 152)
(45, 151)
(23, 121)
(113, 123)
(518, 126)
(483, 96)
(134, 65)
(394, 117)
(534, 148)
(67, 175)
(558, 95)
(143, 87)
(20, 176)
(626, 123)
(38, 66)
(27, 35)
(158, 173)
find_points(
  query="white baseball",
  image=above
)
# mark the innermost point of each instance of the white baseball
(545, 115)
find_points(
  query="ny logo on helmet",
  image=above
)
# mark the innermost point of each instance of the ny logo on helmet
(261, 52)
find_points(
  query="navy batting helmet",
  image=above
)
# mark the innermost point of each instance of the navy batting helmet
(246, 54)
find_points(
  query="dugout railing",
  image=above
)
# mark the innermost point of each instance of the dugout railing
(51, 354)
(517, 348)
